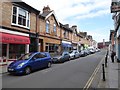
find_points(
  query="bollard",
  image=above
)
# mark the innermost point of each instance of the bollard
(106, 61)
(103, 72)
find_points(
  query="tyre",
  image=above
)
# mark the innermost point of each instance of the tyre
(27, 70)
(69, 59)
(49, 64)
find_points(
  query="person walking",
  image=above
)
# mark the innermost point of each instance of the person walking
(112, 56)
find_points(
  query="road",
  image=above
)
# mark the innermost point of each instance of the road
(71, 74)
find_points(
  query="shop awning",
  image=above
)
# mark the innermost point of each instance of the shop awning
(66, 45)
(14, 39)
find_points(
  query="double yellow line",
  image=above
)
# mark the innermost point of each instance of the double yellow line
(89, 82)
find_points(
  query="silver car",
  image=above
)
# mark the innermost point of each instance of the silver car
(74, 54)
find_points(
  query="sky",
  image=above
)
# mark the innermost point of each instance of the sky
(91, 16)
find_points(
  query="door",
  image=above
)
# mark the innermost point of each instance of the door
(36, 62)
(39, 61)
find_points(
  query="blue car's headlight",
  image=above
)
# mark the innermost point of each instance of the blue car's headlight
(20, 65)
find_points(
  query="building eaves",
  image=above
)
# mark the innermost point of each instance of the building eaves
(65, 28)
(80, 35)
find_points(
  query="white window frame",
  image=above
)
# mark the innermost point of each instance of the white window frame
(17, 18)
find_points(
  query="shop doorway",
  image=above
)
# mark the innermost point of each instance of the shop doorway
(41, 45)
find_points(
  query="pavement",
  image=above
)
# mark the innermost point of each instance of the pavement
(111, 75)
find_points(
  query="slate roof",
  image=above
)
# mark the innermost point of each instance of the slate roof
(45, 14)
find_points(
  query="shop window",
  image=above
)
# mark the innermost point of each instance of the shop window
(4, 50)
(20, 17)
(51, 47)
(15, 51)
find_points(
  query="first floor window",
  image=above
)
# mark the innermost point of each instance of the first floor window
(54, 29)
(47, 27)
(20, 17)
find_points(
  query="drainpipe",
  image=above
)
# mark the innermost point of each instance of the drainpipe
(37, 33)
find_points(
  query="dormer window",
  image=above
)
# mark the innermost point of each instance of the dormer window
(20, 17)
(47, 27)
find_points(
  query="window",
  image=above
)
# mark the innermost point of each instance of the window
(20, 17)
(51, 47)
(15, 50)
(54, 28)
(40, 55)
(47, 27)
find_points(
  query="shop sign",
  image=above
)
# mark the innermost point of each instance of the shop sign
(15, 39)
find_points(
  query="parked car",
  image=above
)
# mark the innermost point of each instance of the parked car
(29, 62)
(87, 52)
(61, 58)
(83, 53)
(92, 51)
(97, 50)
(74, 54)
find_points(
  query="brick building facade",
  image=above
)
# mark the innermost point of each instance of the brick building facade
(17, 25)
(33, 31)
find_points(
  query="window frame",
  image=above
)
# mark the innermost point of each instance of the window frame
(17, 12)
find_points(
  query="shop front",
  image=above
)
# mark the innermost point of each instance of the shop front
(118, 47)
(34, 40)
(117, 44)
(66, 46)
(13, 45)
(75, 45)
(52, 45)
(78, 46)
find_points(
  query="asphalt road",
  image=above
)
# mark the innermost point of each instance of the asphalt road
(71, 74)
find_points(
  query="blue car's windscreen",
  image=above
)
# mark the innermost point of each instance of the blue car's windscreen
(25, 56)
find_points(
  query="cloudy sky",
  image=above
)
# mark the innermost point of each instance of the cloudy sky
(91, 16)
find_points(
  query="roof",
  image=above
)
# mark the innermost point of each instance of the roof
(48, 14)
(63, 26)
(25, 6)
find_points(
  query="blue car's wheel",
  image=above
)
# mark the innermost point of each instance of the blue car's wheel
(27, 70)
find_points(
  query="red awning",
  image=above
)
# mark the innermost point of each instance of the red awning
(14, 39)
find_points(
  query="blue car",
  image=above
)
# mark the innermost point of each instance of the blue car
(29, 62)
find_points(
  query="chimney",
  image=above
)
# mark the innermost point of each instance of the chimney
(46, 9)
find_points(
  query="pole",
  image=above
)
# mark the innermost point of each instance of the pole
(106, 61)
(103, 72)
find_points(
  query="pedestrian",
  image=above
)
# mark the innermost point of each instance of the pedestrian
(112, 56)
